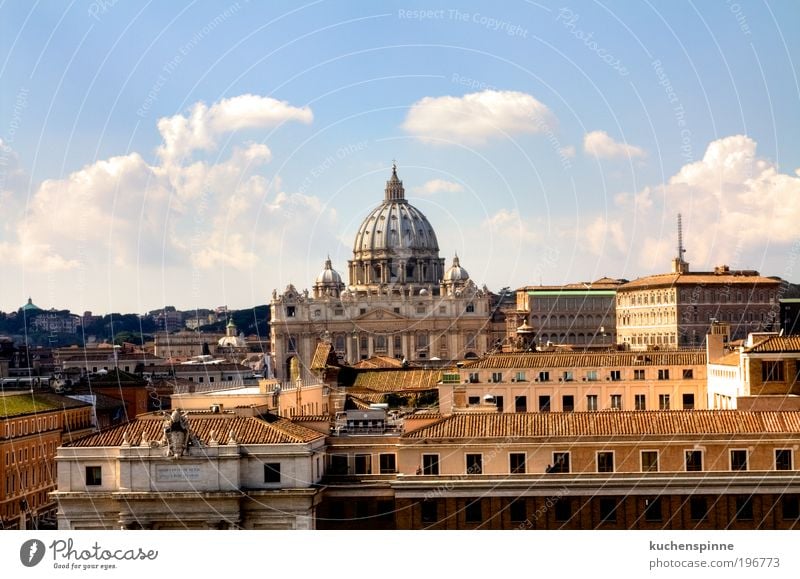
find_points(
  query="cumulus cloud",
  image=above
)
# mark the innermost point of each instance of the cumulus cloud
(599, 144)
(603, 232)
(124, 211)
(438, 186)
(200, 128)
(477, 117)
(737, 209)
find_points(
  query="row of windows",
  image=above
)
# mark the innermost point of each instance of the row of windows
(25, 426)
(570, 304)
(20, 455)
(339, 464)
(568, 402)
(569, 375)
(652, 509)
(569, 321)
(776, 370)
(604, 461)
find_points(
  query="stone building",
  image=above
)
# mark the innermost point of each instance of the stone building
(578, 314)
(32, 427)
(400, 301)
(192, 470)
(578, 381)
(677, 309)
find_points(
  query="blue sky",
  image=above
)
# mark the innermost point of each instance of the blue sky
(204, 153)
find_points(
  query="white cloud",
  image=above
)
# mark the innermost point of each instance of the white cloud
(476, 117)
(737, 209)
(567, 152)
(599, 144)
(200, 128)
(438, 186)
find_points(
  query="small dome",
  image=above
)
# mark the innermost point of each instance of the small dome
(329, 276)
(456, 273)
(30, 306)
(423, 292)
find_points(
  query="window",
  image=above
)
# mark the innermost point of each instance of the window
(497, 376)
(615, 375)
(388, 463)
(470, 308)
(520, 403)
(567, 403)
(591, 376)
(738, 460)
(608, 510)
(560, 462)
(520, 377)
(652, 510)
(474, 463)
(429, 511)
(744, 508)
(649, 460)
(605, 462)
(638, 374)
(420, 309)
(663, 374)
(363, 464)
(498, 400)
(291, 344)
(473, 512)
(688, 401)
(640, 402)
(442, 310)
(563, 510)
(688, 374)
(290, 311)
(544, 376)
(338, 464)
(473, 378)
(772, 371)
(516, 462)
(591, 402)
(473, 400)
(430, 464)
(694, 460)
(783, 459)
(94, 476)
(517, 511)
(698, 508)
(663, 401)
(567, 377)
(616, 401)
(338, 312)
(790, 507)
(544, 404)
(272, 472)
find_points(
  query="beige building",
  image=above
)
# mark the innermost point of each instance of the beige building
(578, 381)
(763, 372)
(677, 309)
(578, 314)
(192, 470)
(185, 345)
(400, 301)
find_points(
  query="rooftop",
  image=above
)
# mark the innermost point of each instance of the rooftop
(776, 344)
(590, 359)
(610, 424)
(738, 278)
(20, 404)
(268, 429)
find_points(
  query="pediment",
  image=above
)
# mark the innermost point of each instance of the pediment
(378, 315)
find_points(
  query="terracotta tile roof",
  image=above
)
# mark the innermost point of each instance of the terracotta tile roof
(359, 403)
(379, 362)
(590, 359)
(367, 396)
(777, 344)
(311, 418)
(397, 380)
(32, 403)
(700, 277)
(321, 354)
(246, 430)
(604, 283)
(611, 424)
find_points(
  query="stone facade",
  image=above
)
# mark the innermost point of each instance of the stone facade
(399, 302)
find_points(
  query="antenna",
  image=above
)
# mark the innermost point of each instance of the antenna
(681, 250)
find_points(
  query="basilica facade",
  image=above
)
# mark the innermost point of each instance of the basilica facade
(400, 301)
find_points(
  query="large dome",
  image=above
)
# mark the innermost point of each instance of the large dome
(395, 226)
(395, 243)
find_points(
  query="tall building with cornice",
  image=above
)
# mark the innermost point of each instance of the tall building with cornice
(400, 300)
